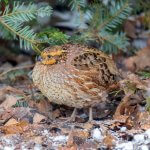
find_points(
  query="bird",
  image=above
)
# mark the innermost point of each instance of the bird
(74, 75)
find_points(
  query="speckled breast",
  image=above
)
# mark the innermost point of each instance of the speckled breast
(59, 86)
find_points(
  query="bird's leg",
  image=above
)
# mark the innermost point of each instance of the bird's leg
(73, 116)
(90, 114)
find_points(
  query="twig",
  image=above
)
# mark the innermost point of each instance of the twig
(16, 68)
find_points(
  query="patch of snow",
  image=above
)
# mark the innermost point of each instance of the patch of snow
(38, 147)
(97, 135)
(22, 148)
(125, 146)
(144, 147)
(45, 132)
(148, 133)
(60, 138)
(8, 148)
(6, 140)
(123, 129)
(139, 138)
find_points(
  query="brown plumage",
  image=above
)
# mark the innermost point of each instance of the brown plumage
(74, 75)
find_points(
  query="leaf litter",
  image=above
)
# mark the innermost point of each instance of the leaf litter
(29, 121)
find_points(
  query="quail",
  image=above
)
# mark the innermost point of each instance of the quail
(74, 75)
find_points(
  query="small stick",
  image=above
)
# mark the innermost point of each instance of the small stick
(16, 68)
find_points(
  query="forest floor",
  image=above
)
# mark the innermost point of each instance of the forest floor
(29, 121)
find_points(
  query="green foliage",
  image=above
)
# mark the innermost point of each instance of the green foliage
(109, 18)
(53, 36)
(76, 4)
(5, 1)
(144, 74)
(113, 42)
(103, 25)
(21, 103)
(12, 22)
(141, 6)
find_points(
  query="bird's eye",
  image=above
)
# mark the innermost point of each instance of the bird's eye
(49, 56)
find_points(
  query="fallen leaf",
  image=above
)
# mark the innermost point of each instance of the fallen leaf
(44, 106)
(139, 61)
(37, 139)
(6, 114)
(127, 111)
(15, 128)
(81, 133)
(109, 141)
(130, 28)
(126, 107)
(11, 122)
(88, 126)
(132, 83)
(143, 119)
(73, 147)
(56, 113)
(9, 101)
(38, 118)
(77, 137)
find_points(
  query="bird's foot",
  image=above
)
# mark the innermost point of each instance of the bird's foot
(90, 115)
(72, 118)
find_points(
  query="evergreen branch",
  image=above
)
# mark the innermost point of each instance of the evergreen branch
(76, 4)
(12, 22)
(5, 34)
(25, 34)
(118, 13)
(53, 36)
(21, 13)
(111, 43)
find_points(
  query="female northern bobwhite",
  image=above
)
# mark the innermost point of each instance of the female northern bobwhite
(74, 75)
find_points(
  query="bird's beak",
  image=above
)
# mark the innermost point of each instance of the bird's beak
(39, 58)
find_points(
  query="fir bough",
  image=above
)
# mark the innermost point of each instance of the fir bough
(12, 22)
(103, 24)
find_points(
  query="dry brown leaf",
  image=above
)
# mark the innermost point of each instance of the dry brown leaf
(130, 28)
(37, 139)
(145, 126)
(9, 101)
(143, 119)
(73, 147)
(6, 114)
(38, 118)
(109, 141)
(11, 122)
(56, 113)
(77, 137)
(70, 141)
(127, 111)
(77, 133)
(125, 108)
(132, 83)
(10, 90)
(81, 133)
(140, 61)
(15, 128)
(140, 84)
(43, 106)
(88, 126)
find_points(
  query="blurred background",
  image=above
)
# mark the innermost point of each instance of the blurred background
(119, 28)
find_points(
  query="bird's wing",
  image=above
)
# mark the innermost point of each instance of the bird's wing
(95, 63)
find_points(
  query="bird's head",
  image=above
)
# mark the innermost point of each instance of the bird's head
(53, 55)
